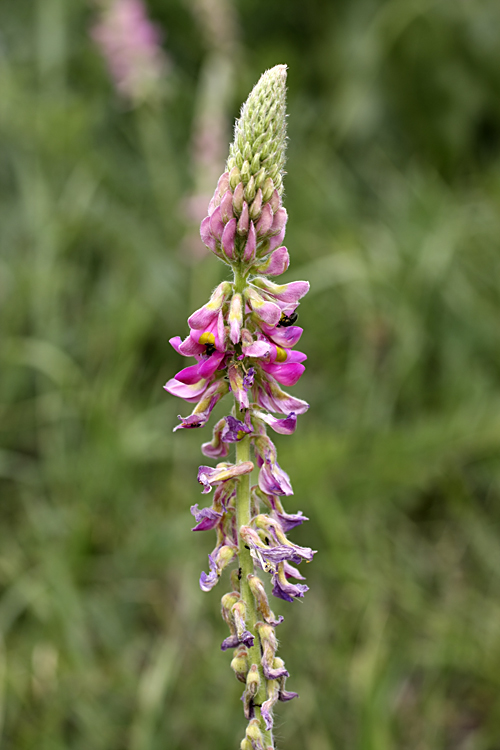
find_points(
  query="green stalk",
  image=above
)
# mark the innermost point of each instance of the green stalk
(245, 559)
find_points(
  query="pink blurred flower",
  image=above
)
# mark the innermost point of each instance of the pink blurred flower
(130, 44)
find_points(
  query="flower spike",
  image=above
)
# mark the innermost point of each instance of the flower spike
(243, 342)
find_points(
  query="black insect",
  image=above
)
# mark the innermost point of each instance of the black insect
(239, 574)
(287, 320)
(209, 349)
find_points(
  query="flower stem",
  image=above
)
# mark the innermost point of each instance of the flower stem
(245, 559)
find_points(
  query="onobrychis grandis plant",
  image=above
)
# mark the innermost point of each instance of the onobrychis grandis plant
(243, 341)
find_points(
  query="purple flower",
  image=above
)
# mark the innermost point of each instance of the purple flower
(285, 295)
(283, 589)
(287, 695)
(249, 378)
(266, 710)
(202, 411)
(275, 264)
(275, 554)
(269, 395)
(234, 430)
(269, 644)
(207, 476)
(287, 521)
(206, 518)
(234, 640)
(272, 479)
(282, 426)
(237, 383)
(217, 561)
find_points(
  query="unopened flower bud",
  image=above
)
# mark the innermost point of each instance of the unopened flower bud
(226, 206)
(245, 744)
(253, 680)
(243, 220)
(255, 164)
(251, 690)
(245, 172)
(260, 178)
(266, 220)
(227, 603)
(239, 663)
(233, 176)
(260, 133)
(238, 196)
(255, 208)
(250, 190)
(275, 201)
(267, 190)
(273, 174)
(254, 734)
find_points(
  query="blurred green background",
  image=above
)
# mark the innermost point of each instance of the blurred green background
(393, 192)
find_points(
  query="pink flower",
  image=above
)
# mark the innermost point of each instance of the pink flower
(130, 43)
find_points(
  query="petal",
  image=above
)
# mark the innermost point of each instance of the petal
(272, 398)
(206, 518)
(289, 521)
(190, 393)
(190, 375)
(176, 342)
(223, 183)
(274, 481)
(288, 293)
(232, 430)
(287, 695)
(216, 448)
(205, 315)
(209, 476)
(284, 337)
(282, 426)
(235, 318)
(268, 312)
(276, 264)
(283, 589)
(257, 349)
(286, 374)
(207, 367)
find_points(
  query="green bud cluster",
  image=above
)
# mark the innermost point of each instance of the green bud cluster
(257, 154)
